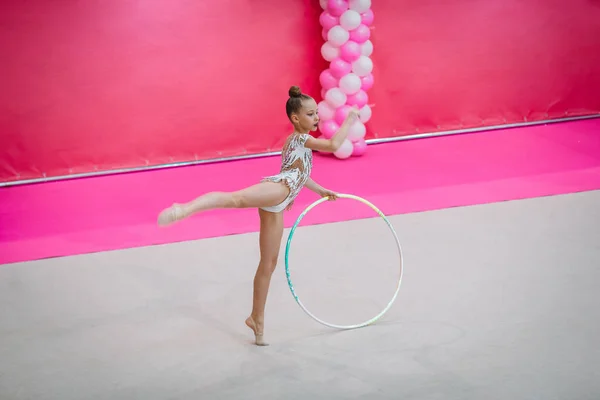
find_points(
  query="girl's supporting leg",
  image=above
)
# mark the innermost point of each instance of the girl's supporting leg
(271, 232)
(263, 194)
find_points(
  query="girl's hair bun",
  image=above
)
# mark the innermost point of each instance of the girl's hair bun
(295, 91)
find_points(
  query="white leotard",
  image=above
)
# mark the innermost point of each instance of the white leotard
(296, 166)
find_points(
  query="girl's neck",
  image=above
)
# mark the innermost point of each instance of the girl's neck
(299, 131)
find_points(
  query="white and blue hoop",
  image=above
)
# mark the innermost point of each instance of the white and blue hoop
(287, 264)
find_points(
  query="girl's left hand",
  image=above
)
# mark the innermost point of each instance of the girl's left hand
(328, 193)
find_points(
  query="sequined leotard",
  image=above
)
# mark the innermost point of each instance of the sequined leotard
(296, 166)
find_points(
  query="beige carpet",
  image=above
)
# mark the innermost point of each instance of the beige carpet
(498, 301)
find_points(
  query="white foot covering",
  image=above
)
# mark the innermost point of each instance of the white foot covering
(170, 215)
(258, 337)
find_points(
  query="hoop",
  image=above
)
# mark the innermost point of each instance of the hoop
(287, 266)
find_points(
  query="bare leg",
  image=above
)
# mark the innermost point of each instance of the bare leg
(264, 194)
(271, 232)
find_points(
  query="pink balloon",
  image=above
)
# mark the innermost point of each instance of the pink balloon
(327, 20)
(367, 82)
(359, 148)
(326, 112)
(350, 51)
(358, 99)
(360, 34)
(327, 79)
(328, 128)
(367, 17)
(323, 93)
(341, 113)
(339, 68)
(324, 34)
(337, 7)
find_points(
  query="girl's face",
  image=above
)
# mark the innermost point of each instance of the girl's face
(307, 118)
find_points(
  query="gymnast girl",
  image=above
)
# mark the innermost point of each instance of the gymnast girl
(273, 194)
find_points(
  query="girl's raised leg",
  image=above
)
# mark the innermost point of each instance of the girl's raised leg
(271, 232)
(264, 194)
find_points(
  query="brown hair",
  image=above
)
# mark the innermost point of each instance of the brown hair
(294, 103)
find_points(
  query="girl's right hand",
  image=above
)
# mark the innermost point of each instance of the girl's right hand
(353, 114)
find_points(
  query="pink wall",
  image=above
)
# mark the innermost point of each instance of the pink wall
(98, 85)
(108, 84)
(444, 65)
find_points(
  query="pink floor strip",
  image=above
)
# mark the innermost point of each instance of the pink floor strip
(115, 212)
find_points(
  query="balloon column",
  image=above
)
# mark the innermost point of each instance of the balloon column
(347, 48)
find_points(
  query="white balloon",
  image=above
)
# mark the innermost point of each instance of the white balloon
(337, 36)
(360, 6)
(326, 112)
(350, 20)
(365, 113)
(329, 51)
(323, 4)
(345, 149)
(350, 83)
(366, 48)
(335, 97)
(363, 66)
(356, 131)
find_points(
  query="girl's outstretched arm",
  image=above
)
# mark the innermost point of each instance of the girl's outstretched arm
(331, 145)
